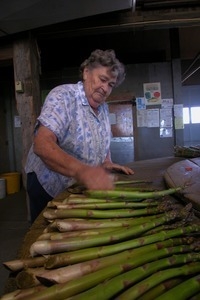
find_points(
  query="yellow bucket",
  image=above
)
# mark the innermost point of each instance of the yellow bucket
(12, 182)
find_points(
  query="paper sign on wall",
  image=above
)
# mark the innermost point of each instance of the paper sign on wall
(153, 117)
(17, 121)
(165, 117)
(140, 103)
(141, 118)
(178, 116)
(152, 93)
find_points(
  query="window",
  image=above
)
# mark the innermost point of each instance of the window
(186, 115)
(191, 115)
(195, 115)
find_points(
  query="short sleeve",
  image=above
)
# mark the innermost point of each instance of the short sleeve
(55, 111)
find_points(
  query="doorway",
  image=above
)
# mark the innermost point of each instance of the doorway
(7, 110)
(122, 141)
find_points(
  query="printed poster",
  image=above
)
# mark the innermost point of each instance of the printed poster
(153, 117)
(152, 93)
(167, 103)
(142, 118)
(140, 103)
(165, 132)
(178, 116)
(166, 117)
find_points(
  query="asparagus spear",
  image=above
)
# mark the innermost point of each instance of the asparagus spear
(79, 200)
(116, 285)
(61, 235)
(21, 294)
(107, 205)
(82, 224)
(125, 182)
(155, 230)
(100, 214)
(184, 290)
(160, 289)
(68, 273)
(66, 258)
(121, 195)
(84, 199)
(73, 287)
(134, 189)
(49, 246)
(18, 264)
(140, 288)
(141, 245)
(28, 279)
(196, 296)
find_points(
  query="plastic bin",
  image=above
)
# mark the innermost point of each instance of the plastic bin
(12, 182)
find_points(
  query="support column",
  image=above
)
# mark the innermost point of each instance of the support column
(176, 79)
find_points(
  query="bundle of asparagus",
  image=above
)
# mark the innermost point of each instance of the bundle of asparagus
(108, 245)
(191, 151)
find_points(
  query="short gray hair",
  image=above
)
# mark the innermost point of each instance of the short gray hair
(105, 58)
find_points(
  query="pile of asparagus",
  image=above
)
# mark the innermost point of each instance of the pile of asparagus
(129, 243)
(190, 151)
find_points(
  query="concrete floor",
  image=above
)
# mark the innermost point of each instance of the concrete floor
(13, 227)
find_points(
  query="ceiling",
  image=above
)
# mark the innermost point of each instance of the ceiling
(139, 30)
(22, 15)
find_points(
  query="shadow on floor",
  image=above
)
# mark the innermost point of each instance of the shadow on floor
(13, 227)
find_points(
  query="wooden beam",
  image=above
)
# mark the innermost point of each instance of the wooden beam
(6, 53)
(26, 62)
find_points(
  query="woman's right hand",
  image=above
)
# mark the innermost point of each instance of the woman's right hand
(95, 178)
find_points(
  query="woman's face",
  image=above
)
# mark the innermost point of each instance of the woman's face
(98, 84)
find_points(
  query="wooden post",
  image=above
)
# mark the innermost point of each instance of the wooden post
(26, 62)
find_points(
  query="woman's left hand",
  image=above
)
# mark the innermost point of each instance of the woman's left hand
(108, 165)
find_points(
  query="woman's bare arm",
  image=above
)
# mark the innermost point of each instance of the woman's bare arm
(46, 147)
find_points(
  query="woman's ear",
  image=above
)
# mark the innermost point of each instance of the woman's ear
(85, 73)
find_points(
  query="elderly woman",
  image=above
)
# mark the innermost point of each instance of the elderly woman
(72, 134)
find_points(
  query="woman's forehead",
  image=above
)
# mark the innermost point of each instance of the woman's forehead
(107, 71)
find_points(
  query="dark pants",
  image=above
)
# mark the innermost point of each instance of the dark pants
(38, 197)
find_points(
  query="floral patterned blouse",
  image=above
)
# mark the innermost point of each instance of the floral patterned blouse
(79, 131)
